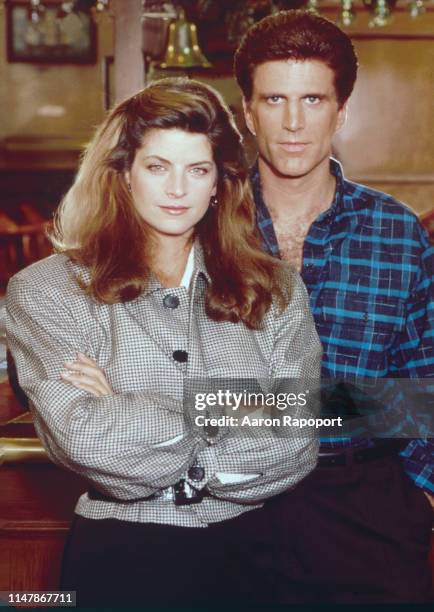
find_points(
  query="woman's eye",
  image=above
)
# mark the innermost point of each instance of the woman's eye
(156, 168)
(199, 171)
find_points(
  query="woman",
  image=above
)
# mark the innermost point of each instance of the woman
(159, 279)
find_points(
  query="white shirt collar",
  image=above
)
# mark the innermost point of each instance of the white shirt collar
(189, 269)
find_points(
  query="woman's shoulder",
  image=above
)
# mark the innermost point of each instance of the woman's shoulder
(294, 294)
(55, 275)
(290, 282)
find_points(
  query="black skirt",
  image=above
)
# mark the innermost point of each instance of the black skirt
(120, 563)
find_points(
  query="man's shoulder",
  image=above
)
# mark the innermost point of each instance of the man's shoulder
(375, 200)
(386, 214)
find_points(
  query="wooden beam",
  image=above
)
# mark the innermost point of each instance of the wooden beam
(129, 73)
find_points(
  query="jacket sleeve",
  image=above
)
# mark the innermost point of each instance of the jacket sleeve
(112, 441)
(278, 459)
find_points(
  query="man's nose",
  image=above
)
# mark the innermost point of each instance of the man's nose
(176, 184)
(293, 118)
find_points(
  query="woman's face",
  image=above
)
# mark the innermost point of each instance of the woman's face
(172, 179)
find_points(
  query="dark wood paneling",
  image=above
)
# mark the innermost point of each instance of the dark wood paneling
(36, 508)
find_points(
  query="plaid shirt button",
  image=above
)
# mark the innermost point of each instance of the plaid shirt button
(211, 431)
(181, 356)
(171, 301)
(196, 473)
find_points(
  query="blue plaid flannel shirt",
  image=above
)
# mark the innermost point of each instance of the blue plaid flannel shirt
(369, 269)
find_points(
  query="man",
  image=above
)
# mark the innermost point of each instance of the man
(358, 529)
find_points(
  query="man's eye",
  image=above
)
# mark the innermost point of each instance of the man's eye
(312, 99)
(156, 168)
(274, 99)
(199, 171)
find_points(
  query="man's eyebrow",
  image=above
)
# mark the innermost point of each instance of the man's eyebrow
(271, 94)
(275, 94)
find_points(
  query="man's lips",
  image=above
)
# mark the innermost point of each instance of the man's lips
(293, 147)
(174, 210)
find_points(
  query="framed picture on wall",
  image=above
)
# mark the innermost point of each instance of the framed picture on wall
(49, 36)
(108, 82)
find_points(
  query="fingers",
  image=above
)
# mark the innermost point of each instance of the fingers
(85, 359)
(84, 374)
(86, 383)
(85, 368)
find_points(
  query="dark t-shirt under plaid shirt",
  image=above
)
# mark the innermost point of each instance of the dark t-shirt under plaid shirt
(369, 269)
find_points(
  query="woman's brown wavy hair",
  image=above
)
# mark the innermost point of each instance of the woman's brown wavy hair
(97, 224)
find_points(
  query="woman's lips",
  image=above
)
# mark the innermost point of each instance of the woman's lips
(174, 210)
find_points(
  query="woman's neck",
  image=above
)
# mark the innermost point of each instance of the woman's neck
(170, 259)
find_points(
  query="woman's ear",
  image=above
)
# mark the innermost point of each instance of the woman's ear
(127, 177)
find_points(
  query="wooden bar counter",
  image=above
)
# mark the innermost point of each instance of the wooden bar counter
(37, 500)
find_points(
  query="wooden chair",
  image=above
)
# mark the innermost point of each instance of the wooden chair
(20, 245)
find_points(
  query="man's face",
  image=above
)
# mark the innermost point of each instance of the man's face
(294, 113)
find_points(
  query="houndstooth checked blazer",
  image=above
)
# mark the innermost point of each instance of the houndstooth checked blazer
(135, 443)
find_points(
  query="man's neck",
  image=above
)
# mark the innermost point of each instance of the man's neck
(304, 196)
(294, 204)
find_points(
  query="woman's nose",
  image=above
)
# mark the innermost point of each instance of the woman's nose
(176, 184)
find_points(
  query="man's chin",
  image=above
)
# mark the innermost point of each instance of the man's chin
(290, 170)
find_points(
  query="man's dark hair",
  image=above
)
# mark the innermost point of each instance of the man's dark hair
(298, 35)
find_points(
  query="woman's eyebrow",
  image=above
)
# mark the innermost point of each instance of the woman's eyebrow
(156, 157)
(201, 163)
(167, 161)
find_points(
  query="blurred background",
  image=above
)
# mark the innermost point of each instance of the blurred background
(63, 64)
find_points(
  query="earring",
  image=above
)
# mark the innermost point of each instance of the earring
(129, 187)
(214, 201)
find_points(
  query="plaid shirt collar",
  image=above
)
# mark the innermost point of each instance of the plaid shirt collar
(263, 214)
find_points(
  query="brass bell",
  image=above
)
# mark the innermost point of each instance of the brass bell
(182, 49)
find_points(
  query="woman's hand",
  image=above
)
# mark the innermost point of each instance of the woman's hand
(85, 374)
